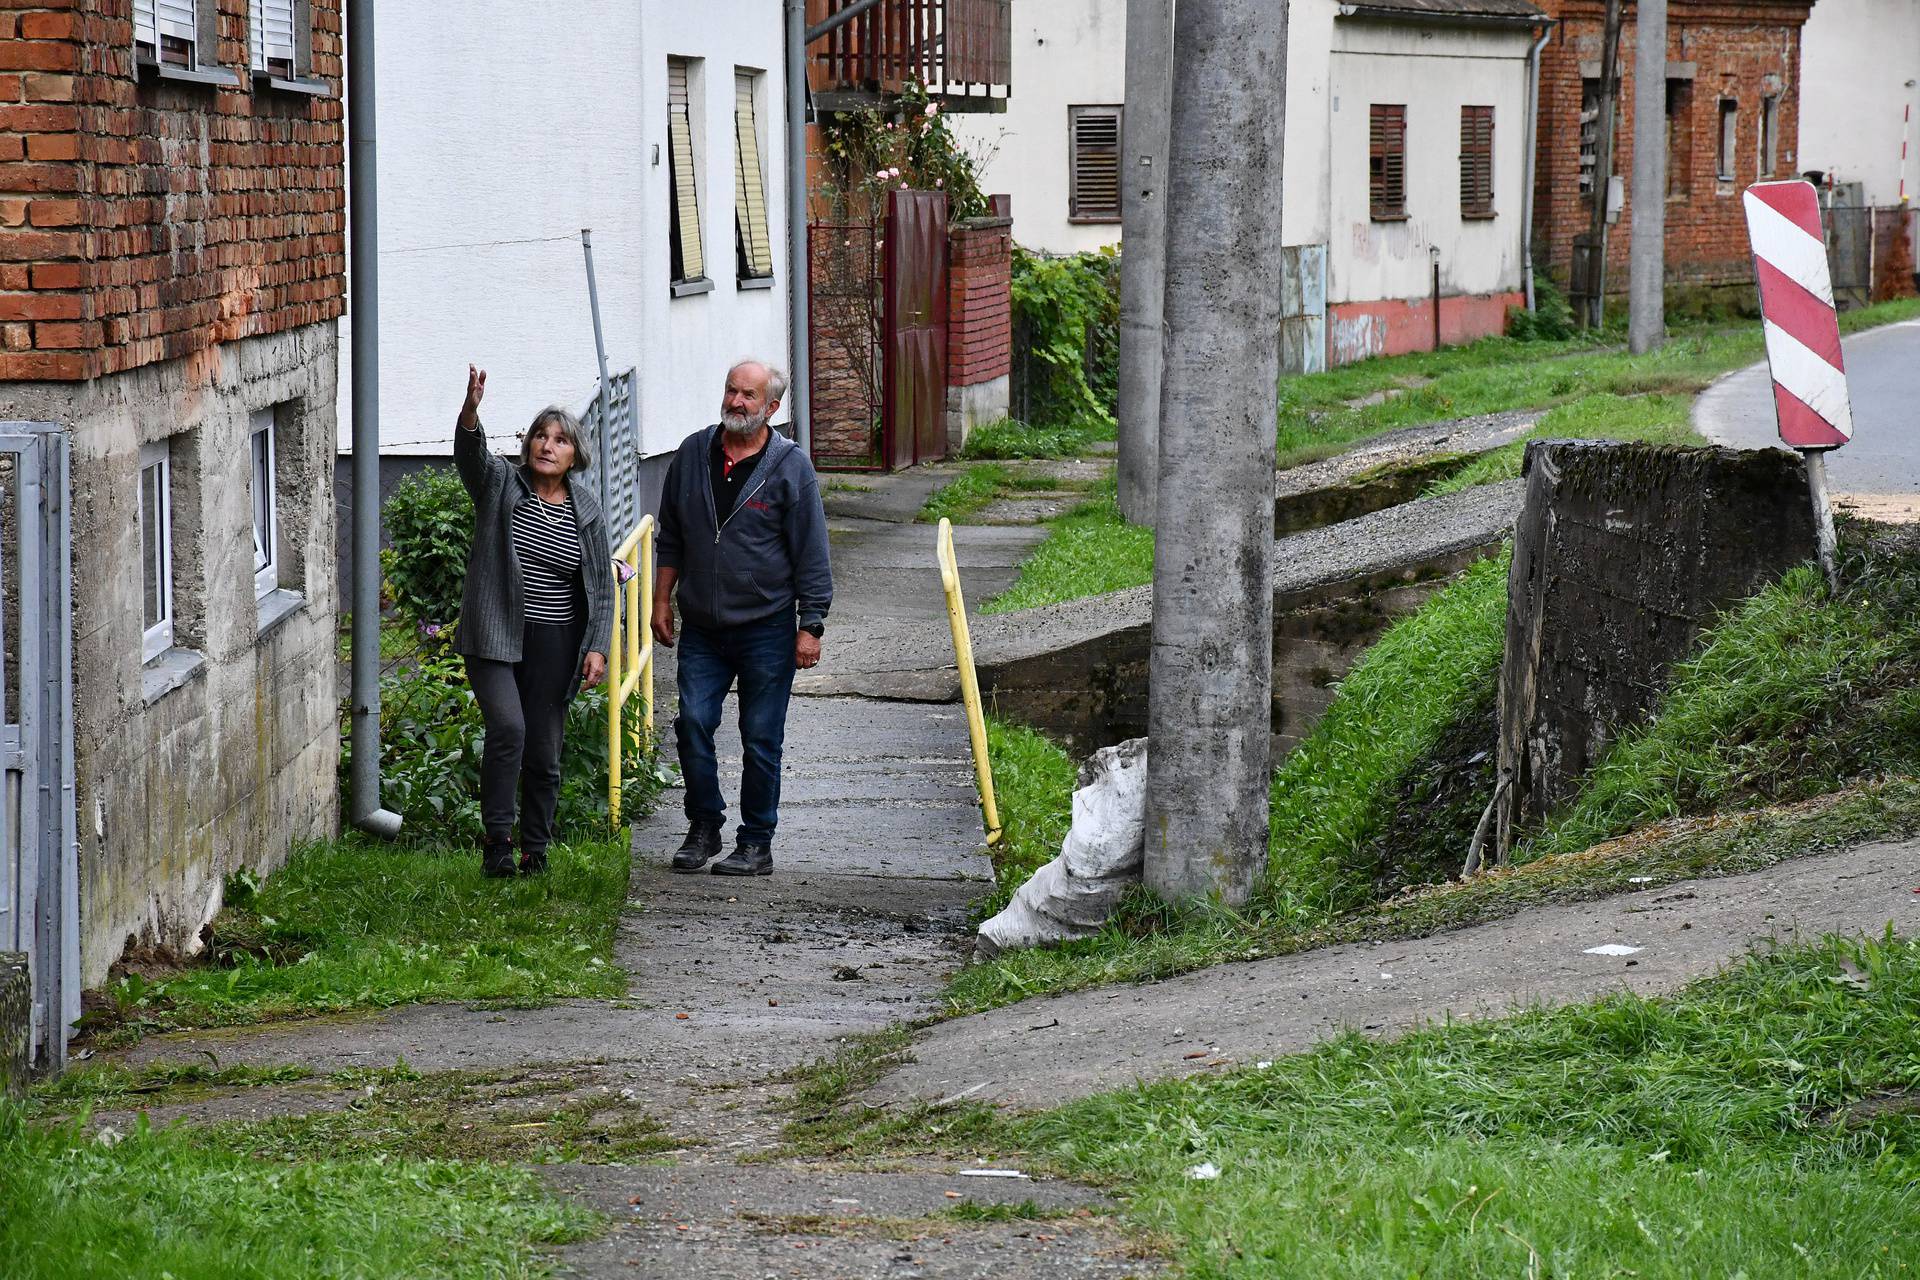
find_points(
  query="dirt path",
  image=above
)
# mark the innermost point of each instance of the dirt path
(736, 982)
(1044, 1052)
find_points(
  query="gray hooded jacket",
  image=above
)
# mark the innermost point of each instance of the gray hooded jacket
(768, 557)
(492, 607)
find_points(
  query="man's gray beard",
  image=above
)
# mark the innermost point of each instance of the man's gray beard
(743, 424)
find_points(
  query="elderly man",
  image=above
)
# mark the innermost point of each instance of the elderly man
(744, 538)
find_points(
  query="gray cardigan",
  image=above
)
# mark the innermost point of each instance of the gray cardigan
(492, 612)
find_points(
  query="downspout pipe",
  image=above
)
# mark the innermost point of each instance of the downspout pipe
(799, 264)
(1527, 160)
(363, 294)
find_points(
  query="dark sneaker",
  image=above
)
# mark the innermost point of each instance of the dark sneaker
(496, 859)
(701, 845)
(533, 862)
(746, 860)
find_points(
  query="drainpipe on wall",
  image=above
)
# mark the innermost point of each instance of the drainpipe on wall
(1533, 130)
(363, 293)
(799, 267)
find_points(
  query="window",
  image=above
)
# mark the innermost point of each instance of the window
(1387, 162)
(167, 32)
(1679, 138)
(683, 232)
(156, 550)
(1769, 135)
(270, 37)
(1094, 170)
(266, 506)
(1729, 138)
(1476, 162)
(1589, 132)
(752, 244)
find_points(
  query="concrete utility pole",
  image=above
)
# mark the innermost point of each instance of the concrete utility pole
(1647, 266)
(1143, 249)
(1209, 710)
(1594, 312)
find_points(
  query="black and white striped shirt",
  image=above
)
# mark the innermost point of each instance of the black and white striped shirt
(548, 548)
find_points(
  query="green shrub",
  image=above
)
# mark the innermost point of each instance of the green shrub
(429, 523)
(1551, 319)
(431, 742)
(1068, 309)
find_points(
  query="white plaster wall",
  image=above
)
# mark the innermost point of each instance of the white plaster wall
(1066, 53)
(1434, 71)
(501, 136)
(1858, 63)
(1307, 159)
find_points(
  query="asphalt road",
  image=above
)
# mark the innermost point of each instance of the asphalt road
(1883, 373)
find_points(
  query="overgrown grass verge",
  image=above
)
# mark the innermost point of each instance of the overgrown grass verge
(1795, 729)
(356, 924)
(1089, 551)
(1496, 374)
(1009, 438)
(180, 1202)
(1650, 419)
(1029, 776)
(1629, 1136)
(965, 494)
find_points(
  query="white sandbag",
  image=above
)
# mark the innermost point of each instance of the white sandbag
(1072, 896)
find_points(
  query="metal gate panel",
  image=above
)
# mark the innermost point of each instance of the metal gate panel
(39, 851)
(916, 327)
(1303, 309)
(618, 451)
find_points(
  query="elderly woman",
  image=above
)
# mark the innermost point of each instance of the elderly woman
(536, 619)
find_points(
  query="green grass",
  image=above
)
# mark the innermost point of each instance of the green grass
(1651, 419)
(357, 924)
(965, 494)
(1791, 695)
(1030, 774)
(1631, 1137)
(1088, 551)
(178, 1203)
(1497, 374)
(1009, 438)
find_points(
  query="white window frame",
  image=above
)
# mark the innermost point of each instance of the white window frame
(752, 222)
(262, 453)
(154, 20)
(156, 637)
(272, 35)
(686, 135)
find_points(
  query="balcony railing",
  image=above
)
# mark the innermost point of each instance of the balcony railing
(962, 50)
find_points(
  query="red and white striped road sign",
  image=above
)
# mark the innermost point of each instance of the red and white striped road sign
(1796, 301)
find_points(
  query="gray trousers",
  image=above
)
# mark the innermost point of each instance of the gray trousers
(524, 705)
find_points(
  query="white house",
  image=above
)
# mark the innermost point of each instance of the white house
(658, 126)
(1408, 128)
(1859, 60)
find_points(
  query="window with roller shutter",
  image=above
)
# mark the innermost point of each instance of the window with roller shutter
(270, 36)
(753, 245)
(689, 255)
(1387, 162)
(1476, 162)
(167, 32)
(1094, 143)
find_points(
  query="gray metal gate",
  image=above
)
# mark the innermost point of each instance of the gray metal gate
(618, 451)
(39, 851)
(1303, 309)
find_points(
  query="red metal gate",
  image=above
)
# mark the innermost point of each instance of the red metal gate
(916, 327)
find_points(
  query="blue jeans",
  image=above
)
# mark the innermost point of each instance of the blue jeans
(760, 656)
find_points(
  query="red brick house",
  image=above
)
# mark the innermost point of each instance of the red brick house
(172, 214)
(1733, 103)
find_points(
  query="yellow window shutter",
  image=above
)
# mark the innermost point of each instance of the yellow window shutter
(750, 184)
(686, 193)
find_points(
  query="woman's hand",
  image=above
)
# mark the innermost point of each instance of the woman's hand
(593, 670)
(476, 388)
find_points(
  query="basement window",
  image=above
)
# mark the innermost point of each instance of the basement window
(1387, 162)
(266, 505)
(156, 550)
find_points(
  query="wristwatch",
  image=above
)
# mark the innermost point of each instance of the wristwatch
(814, 629)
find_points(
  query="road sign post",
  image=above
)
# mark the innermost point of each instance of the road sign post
(1803, 337)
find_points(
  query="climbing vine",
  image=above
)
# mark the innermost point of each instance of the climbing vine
(905, 145)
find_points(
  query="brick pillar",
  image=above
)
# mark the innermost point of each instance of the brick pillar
(979, 323)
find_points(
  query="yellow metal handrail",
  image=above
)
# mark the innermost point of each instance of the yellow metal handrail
(630, 665)
(969, 681)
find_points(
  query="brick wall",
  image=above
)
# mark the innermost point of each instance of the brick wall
(980, 301)
(1737, 51)
(144, 220)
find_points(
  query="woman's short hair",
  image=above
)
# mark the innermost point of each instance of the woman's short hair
(569, 427)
